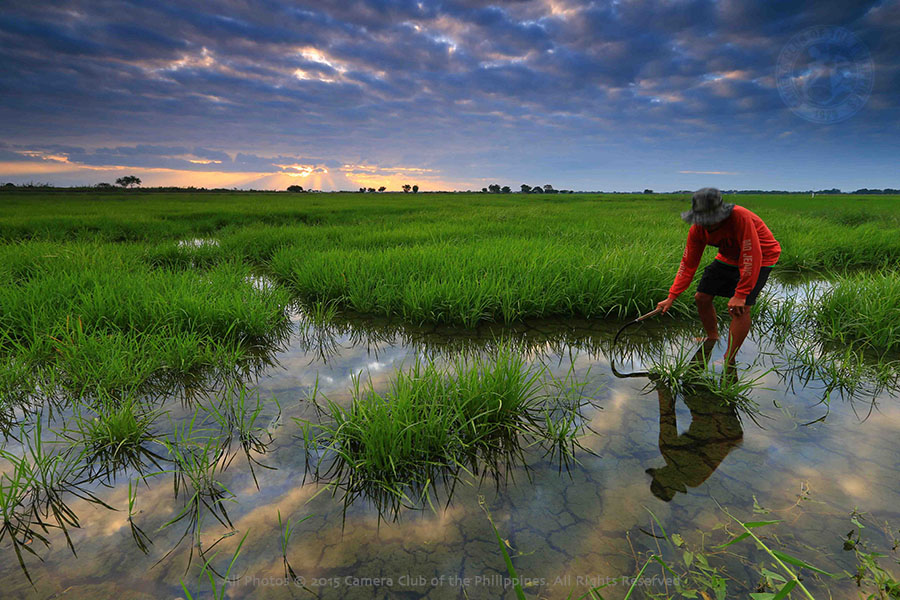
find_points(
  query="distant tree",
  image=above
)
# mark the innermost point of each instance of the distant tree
(371, 190)
(415, 189)
(548, 189)
(104, 185)
(495, 188)
(484, 190)
(406, 188)
(9, 185)
(526, 189)
(382, 188)
(506, 189)
(362, 190)
(859, 191)
(648, 191)
(537, 189)
(128, 181)
(295, 188)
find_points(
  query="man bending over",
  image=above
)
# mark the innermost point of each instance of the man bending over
(747, 252)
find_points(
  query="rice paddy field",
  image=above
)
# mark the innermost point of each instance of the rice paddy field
(272, 395)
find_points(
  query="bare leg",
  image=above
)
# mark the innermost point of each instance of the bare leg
(707, 315)
(740, 327)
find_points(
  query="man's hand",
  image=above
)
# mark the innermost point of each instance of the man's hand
(665, 305)
(737, 306)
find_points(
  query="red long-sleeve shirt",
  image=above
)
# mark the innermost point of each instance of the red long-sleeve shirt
(743, 240)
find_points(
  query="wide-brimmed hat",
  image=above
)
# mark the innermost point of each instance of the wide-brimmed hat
(707, 208)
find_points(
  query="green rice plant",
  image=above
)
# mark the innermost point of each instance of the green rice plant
(384, 443)
(779, 319)
(34, 492)
(17, 525)
(185, 254)
(237, 418)
(517, 586)
(51, 476)
(682, 372)
(141, 539)
(432, 423)
(862, 308)
(17, 381)
(847, 371)
(492, 394)
(468, 283)
(197, 456)
(697, 576)
(809, 354)
(869, 572)
(217, 592)
(781, 559)
(115, 433)
(256, 244)
(18, 386)
(695, 571)
(98, 362)
(287, 530)
(561, 420)
(319, 313)
(594, 592)
(108, 322)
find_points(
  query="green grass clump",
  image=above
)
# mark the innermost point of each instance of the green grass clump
(863, 308)
(236, 413)
(465, 283)
(197, 455)
(101, 319)
(195, 253)
(114, 433)
(35, 487)
(683, 373)
(434, 421)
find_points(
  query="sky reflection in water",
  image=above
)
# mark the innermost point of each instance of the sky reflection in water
(676, 456)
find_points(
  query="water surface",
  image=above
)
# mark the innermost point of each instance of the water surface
(680, 457)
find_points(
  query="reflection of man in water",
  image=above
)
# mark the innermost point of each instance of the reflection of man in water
(691, 457)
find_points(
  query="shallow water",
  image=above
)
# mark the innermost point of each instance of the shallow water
(567, 528)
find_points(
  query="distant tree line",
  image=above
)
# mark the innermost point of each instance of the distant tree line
(130, 181)
(495, 188)
(876, 191)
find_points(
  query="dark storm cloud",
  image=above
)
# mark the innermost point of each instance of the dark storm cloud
(47, 36)
(143, 84)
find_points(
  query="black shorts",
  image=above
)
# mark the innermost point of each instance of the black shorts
(720, 279)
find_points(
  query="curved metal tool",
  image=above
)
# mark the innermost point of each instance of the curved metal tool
(621, 375)
(653, 312)
(612, 363)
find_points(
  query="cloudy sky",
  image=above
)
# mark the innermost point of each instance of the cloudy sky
(338, 94)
